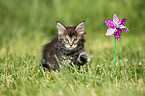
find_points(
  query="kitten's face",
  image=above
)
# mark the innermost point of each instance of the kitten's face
(70, 36)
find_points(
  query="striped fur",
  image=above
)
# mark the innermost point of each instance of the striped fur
(68, 45)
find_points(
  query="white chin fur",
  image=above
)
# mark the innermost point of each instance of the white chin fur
(70, 47)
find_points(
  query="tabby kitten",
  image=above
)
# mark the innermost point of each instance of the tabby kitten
(68, 45)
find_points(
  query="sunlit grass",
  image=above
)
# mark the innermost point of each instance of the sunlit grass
(20, 73)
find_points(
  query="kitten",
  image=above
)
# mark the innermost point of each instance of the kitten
(68, 45)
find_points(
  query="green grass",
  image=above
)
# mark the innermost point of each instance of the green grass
(25, 26)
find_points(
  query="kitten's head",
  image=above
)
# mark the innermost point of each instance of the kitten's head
(71, 37)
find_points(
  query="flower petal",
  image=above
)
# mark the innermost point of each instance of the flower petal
(110, 31)
(109, 23)
(122, 21)
(115, 19)
(117, 34)
(123, 28)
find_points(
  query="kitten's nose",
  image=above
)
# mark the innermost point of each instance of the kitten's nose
(70, 43)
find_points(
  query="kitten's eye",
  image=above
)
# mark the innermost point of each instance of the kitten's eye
(66, 40)
(75, 40)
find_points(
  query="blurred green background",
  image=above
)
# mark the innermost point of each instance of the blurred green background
(32, 23)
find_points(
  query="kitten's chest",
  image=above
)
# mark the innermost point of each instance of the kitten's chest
(66, 59)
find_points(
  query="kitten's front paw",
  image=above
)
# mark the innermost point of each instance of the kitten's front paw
(83, 58)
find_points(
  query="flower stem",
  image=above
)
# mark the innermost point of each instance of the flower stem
(115, 53)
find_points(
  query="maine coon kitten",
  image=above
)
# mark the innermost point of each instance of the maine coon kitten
(68, 45)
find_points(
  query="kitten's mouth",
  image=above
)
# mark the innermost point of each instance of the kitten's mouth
(70, 47)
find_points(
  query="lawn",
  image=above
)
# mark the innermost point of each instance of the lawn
(25, 26)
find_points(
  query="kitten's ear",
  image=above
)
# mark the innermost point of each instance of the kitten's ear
(61, 28)
(80, 28)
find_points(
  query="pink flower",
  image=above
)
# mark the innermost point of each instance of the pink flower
(116, 26)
